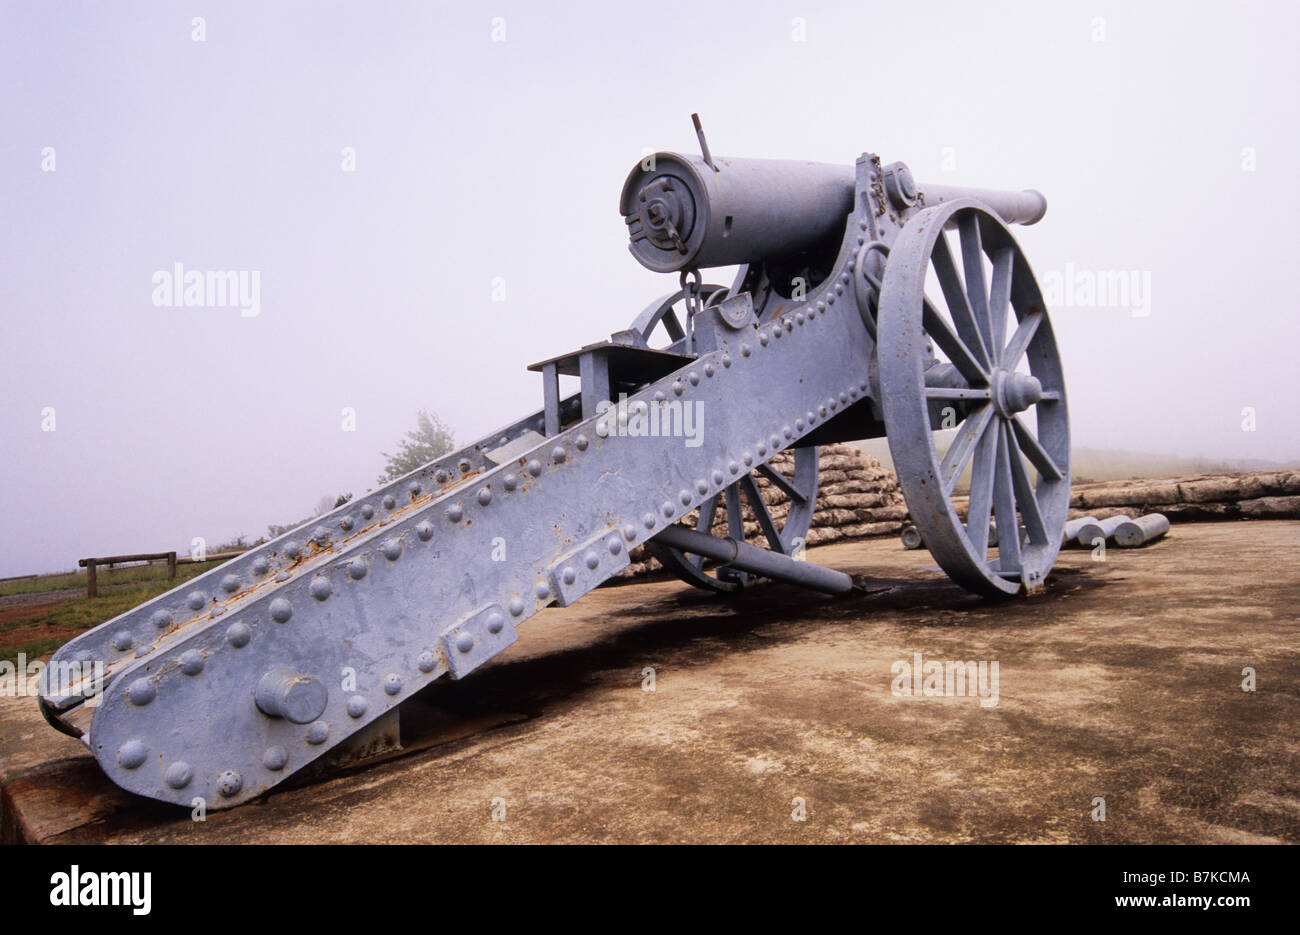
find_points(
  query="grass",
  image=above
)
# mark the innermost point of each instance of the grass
(74, 616)
(105, 577)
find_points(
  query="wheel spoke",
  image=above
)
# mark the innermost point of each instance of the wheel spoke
(972, 255)
(957, 392)
(672, 325)
(1025, 496)
(1004, 508)
(781, 481)
(938, 329)
(1020, 340)
(1037, 456)
(959, 306)
(735, 515)
(979, 513)
(963, 445)
(1000, 299)
(708, 510)
(761, 513)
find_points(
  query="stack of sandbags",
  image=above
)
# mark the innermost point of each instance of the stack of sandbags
(856, 497)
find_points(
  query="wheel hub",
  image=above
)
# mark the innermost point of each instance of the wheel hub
(1015, 392)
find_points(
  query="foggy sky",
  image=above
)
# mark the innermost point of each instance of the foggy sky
(1164, 138)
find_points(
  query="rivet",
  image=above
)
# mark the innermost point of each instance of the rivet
(543, 590)
(424, 530)
(558, 454)
(775, 442)
(230, 584)
(455, 513)
(745, 350)
(726, 360)
(810, 417)
(141, 692)
(678, 387)
(132, 754)
(708, 370)
(465, 641)
(581, 442)
(685, 497)
(464, 466)
(357, 569)
(667, 508)
(282, 610)
(844, 397)
(648, 521)
(762, 338)
(693, 378)
(142, 651)
(191, 662)
(261, 565)
(274, 758)
(510, 482)
(822, 410)
(389, 502)
(702, 486)
(426, 662)
(747, 458)
(123, 641)
(830, 300)
(320, 535)
(196, 600)
(161, 619)
(777, 332)
(629, 532)
(440, 476)
(534, 467)
(179, 774)
(320, 587)
(238, 634)
(356, 706)
(392, 683)
(318, 733)
(346, 524)
(413, 488)
(367, 511)
(484, 496)
(592, 560)
(762, 449)
(503, 440)
(798, 425)
(733, 467)
(660, 396)
(839, 288)
(516, 607)
(292, 548)
(614, 545)
(495, 623)
(789, 325)
(569, 575)
(798, 318)
(718, 478)
(229, 783)
(821, 307)
(392, 549)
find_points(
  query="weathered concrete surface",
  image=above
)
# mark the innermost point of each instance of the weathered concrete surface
(1123, 682)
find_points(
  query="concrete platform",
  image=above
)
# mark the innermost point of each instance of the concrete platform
(1122, 682)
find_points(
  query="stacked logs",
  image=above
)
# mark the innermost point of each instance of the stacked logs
(1197, 498)
(856, 497)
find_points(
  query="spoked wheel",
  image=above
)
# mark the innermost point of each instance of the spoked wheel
(663, 315)
(786, 536)
(949, 363)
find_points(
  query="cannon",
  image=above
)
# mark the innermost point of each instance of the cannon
(864, 304)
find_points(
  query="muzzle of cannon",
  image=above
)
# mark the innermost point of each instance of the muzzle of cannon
(863, 305)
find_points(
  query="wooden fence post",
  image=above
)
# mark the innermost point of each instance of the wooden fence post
(171, 566)
(91, 589)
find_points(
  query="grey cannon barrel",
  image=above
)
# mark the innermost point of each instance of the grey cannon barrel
(683, 213)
